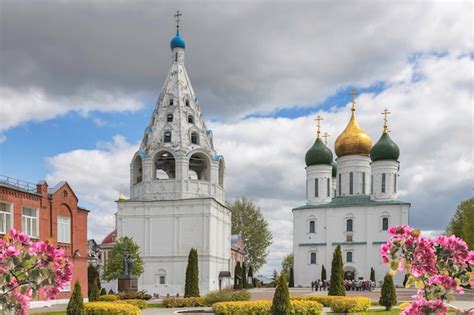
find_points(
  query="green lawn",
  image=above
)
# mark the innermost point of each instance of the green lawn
(53, 313)
(156, 305)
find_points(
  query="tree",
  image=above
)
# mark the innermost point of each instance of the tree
(124, 247)
(323, 273)
(237, 276)
(92, 274)
(250, 275)
(462, 222)
(95, 292)
(337, 274)
(291, 282)
(388, 297)
(372, 274)
(76, 302)
(287, 263)
(281, 299)
(247, 219)
(275, 275)
(244, 276)
(191, 287)
(29, 269)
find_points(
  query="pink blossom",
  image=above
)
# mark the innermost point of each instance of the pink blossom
(425, 307)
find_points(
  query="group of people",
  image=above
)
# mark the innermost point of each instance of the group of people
(359, 285)
(319, 284)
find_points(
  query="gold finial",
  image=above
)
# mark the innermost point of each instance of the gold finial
(353, 94)
(121, 196)
(318, 119)
(385, 126)
(177, 17)
(325, 136)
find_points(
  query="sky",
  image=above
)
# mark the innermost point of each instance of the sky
(79, 80)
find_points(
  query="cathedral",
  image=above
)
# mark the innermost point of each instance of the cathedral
(177, 191)
(351, 202)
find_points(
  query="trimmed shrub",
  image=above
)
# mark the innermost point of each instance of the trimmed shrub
(108, 298)
(337, 274)
(227, 295)
(76, 302)
(372, 274)
(264, 308)
(191, 287)
(244, 276)
(350, 305)
(110, 308)
(388, 294)
(102, 292)
(92, 274)
(183, 302)
(140, 295)
(327, 300)
(323, 273)
(291, 282)
(281, 299)
(250, 275)
(237, 276)
(94, 295)
(141, 304)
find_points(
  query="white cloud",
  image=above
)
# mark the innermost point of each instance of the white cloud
(3, 138)
(430, 121)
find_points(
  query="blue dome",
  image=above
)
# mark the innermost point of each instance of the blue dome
(177, 41)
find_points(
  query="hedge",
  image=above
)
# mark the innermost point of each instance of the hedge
(264, 308)
(141, 304)
(108, 298)
(140, 295)
(359, 302)
(110, 308)
(350, 305)
(183, 302)
(227, 295)
(323, 299)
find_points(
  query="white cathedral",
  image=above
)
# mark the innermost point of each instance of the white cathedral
(351, 204)
(177, 192)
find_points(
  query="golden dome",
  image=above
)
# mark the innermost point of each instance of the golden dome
(353, 140)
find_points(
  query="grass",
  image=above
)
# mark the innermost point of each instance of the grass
(53, 313)
(156, 305)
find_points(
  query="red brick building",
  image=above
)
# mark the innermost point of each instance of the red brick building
(47, 214)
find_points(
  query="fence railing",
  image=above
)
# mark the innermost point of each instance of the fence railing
(18, 183)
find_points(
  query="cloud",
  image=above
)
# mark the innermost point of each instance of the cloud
(3, 138)
(240, 60)
(430, 101)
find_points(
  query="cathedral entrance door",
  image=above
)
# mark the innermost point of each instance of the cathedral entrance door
(349, 275)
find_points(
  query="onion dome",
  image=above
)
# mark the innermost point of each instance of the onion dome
(334, 169)
(353, 140)
(177, 41)
(318, 154)
(385, 149)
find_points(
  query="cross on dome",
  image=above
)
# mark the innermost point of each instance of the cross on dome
(318, 124)
(353, 94)
(385, 120)
(326, 136)
(177, 17)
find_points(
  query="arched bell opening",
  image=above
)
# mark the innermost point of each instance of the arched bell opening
(164, 166)
(199, 167)
(137, 170)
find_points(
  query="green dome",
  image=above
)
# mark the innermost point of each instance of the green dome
(385, 149)
(318, 154)
(334, 169)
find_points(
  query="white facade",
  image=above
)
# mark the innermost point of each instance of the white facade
(177, 193)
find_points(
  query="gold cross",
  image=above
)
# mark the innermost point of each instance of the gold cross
(385, 126)
(318, 119)
(177, 17)
(325, 136)
(353, 94)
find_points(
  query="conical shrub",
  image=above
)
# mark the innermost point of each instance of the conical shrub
(244, 276)
(388, 294)
(291, 281)
(281, 299)
(95, 292)
(76, 302)
(337, 274)
(237, 276)
(323, 273)
(191, 287)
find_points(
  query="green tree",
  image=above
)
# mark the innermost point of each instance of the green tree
(287, 264)
(247, 219)
(323, 273)
(462, 222)
(372, 274)
(92, 274)
(244, 276)
(337, 274)
(76, 302)
(114, 267)
(250, 275)
(191, 287)
(291, 282)
(281, 299)
(237, 276)
(275, 275)
(388, 294)
(95, 292)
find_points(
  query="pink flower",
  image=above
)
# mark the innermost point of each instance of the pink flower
(421, 306)
(13, 251)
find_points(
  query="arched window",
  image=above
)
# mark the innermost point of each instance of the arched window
(349, 257)
(176, 57)
(351, 183)
(190, 119)
(187, 103)
(328, 187)
(165, 165)
(316, 187)
(384, 224)
(171, 102)
(221, 172)
(383, 182)
(312, 258)
(339, 184)
(371, 184)
(349, 225)
(312, 227)
(167, 137)
(161, 276)
(363, 183)
(169, 118)
(65, 194)
(199, 167)
(194, 138)
(394, 183)
(137, 170)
